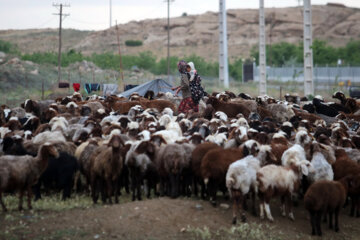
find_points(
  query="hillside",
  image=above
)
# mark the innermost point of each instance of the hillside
(199, 33)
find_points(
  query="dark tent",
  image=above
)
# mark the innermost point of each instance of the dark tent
(157, 85)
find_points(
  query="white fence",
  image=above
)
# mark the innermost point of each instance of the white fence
(322, 75)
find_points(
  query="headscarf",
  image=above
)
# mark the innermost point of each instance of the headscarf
(182, 66)
(192, 71)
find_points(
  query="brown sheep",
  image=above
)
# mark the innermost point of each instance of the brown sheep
(159, 104)
(196, 158)
(106, 166)
(324, 197)
(343, 167)
(354, 193)
(306, 116)
(231, 109)
(22, 172)
(215, 164)
(279, 144)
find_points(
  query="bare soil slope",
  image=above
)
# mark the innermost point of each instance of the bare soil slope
(164, 218)
(199, 33)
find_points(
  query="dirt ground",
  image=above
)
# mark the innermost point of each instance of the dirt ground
(162, 218)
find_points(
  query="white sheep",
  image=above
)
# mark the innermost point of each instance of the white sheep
(282, 181)
(219, 138)
(322, 169)
(240, 179)
(48, 136)
(222, 116)
(293, 155)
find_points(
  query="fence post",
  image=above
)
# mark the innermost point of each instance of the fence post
(80, 77)
(42, 89)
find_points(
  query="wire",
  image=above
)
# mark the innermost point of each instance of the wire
(46, 22)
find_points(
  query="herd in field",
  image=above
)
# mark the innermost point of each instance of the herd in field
(248, 148)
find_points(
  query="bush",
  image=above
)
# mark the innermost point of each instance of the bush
(133, 43)
(52, 58)
(7, 47)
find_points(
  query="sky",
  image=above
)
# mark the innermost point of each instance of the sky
(95, 14)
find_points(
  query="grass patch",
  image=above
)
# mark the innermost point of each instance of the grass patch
(53, 202)
(248, 231)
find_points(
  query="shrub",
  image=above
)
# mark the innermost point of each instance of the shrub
(7, 47)
(133, 43)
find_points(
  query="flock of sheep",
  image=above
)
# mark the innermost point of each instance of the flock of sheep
(293, 149)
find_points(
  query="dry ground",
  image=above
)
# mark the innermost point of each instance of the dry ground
(159, 218)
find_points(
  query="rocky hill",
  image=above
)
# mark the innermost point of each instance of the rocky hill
(198, 34)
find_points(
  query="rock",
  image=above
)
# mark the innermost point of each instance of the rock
(224, 206)
(97, 236)
(14, 60)
(29, 63)
(199, 207)
(34, 72)
(183, 230)
(2, 55)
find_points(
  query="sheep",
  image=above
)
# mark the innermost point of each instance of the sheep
(343, 167)
(229, 108)
(196, 159)
(60, 172)
(59, 124)
(279, 180)
(159, 104)
(22, 172)
(322, 108)
(293, 155)
(172, 162)
(219, 139)
(215, 163)
(106, 166)
(324, 197)
(13, 146)
(240, 179)
(13, 124)
(236, 137)
(280, 112)
(323, 170)
(279, 144)
(48, 137)
(139, 159)
(83, 155)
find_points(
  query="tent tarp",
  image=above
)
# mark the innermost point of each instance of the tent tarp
(157, 85)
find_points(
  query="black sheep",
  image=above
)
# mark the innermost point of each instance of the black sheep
(14, 147)
(309, 107)
(322, 108)
(58, 175)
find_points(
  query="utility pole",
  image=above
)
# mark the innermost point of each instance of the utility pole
(262, 50)
(168, 39)
(121, 66)
(61, 15)
(223, 51)
(110, 13)
(308, 57)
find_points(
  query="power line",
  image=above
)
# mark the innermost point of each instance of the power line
(62, 16)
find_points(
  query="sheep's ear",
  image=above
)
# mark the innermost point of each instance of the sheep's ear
(304, 169)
